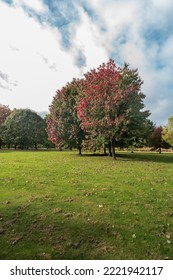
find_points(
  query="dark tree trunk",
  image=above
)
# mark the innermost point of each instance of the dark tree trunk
(80, 151)
(110, 150)
(104, 150)
(160, 150)
(113, 148)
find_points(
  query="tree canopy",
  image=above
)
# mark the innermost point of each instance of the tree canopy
(167, 133)
(63, 125)
(24, 128)
(156, 139)
(4, 113)
(111, 104)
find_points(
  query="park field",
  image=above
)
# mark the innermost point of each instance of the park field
(58, 205)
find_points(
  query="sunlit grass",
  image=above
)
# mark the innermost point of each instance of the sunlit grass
(57, 205)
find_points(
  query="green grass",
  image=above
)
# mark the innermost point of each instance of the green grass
(57, 205)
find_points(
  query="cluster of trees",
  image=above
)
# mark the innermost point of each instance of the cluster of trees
(104, 109)
(22, 128)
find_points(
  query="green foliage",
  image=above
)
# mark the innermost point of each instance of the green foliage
(63, 125)
(24, 128)
(156, 139)
(167, 133)
(4, 113)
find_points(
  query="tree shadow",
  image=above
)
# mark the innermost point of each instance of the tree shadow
(149, 157)
(94, 155)
(63, 236)
(136, 156)
(28, 235)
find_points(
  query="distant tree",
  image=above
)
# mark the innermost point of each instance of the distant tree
(167, 133)
(111, 105)
(63, 125)
(156, 139)
(4, 113)
(24, 128)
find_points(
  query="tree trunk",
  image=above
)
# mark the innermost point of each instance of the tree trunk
(160, 150)
(110, 151)
(113, 148)
(80, 151)
(104, 149)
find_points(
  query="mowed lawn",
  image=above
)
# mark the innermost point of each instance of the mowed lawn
(58, 205)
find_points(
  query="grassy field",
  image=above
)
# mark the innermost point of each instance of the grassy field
(57, 205)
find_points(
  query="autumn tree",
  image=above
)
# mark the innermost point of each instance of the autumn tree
(111, 104)
(156, 139)
(167, 133)
(4, 113)
(24, 128)
(63, 125)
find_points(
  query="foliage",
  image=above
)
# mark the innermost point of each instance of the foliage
(24, 128)
(4, 113)
(63, 125)
(111, 103)
(156, 139)
(167, 133)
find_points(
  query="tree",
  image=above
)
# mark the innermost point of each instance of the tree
(24, 128)
(111, 103)
(63, 125)
(4, 113)
(156, 140)
(167, 133)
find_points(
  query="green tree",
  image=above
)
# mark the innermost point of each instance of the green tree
(4, 113)
(63, 125)
(24, 128)
(167, 133)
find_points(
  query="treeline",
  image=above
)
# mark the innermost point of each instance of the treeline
(103, 110)
(22, 128)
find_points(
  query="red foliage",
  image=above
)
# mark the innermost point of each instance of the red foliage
(107, 99)
(4, 113)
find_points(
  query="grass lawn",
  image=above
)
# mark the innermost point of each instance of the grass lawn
(57, 205)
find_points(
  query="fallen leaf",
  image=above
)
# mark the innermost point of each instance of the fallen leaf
(57, 210)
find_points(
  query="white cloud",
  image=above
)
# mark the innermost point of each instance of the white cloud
(36, 5)
(85, 38)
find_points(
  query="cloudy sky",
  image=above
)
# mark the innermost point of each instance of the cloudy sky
(45, 43)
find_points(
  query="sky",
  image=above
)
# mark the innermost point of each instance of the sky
(46, 43)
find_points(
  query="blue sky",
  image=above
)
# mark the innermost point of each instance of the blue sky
(45, 43)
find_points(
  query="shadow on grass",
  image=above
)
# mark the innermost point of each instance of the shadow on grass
(62, 236)
(29, 235)
(137, 156)
(151, 157)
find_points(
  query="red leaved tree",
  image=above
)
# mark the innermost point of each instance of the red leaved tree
(110, 104)
(156, 139)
